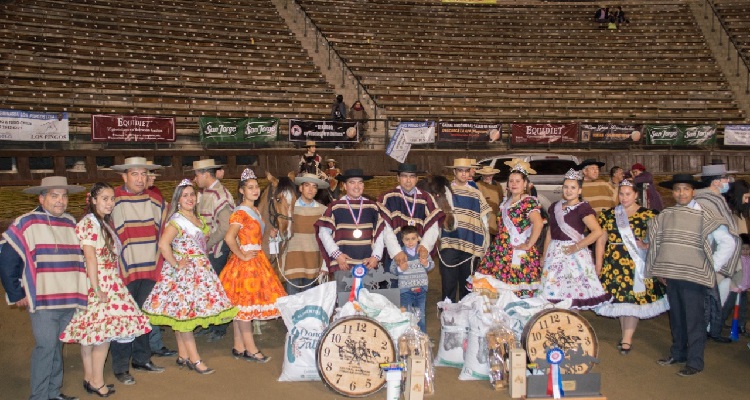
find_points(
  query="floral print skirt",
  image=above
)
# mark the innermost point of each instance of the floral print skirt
(571, 277)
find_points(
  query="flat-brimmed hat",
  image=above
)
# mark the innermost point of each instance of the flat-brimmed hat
(682, 178)
(327, 160)
(353, 173)
(715, 170)
(151, 173)
(208, 163)
(310, 143)
(462, 163)
(312, 178)
(409, 168)
(78, 166)
(589, 161)
(487, 170)
(54, 182)
(135, 162)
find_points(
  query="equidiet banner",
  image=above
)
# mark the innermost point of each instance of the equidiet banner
(35, 126)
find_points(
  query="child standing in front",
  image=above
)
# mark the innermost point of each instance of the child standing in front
(412, 275)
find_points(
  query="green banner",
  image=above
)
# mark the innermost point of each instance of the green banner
(238, 130)
(680, 135)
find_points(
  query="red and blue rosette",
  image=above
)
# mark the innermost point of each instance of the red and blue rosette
(555, 356)
(358, 273)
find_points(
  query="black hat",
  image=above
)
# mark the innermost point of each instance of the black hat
(353, 173)
(411, 168)
(587, 162)
(682, 178)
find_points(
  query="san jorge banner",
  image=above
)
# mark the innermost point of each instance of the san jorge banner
(132, 128)
(468, 132)
(543, 133)
(323, 131)
(680, 135)
(737, 135)
(35, 126)
(611, 133)
(238, 130)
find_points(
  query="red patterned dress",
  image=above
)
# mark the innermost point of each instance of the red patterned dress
(119, 319)
(522, 272)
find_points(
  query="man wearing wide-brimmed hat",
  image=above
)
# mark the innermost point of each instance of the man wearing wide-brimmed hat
(684, 254)
(310, 161)
(599, 193)
(53, 293)
(492, 192)
(302, 261)
(215, 205)
(350, 230)
(726, 243)
(406, 205)
(463, 246)
(331, 171)
(138, 216)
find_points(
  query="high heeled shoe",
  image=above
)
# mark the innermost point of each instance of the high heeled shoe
(89, 389)
(194, 367)
(97, 391)
(258, 357)
(237, 354)
(181, 362)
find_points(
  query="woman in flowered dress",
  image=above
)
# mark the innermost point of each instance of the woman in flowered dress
(188, 293)
(514, 258)
(620, 260)
(248, 278)
(112, 314)
(569, 272)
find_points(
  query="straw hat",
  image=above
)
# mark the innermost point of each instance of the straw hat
(208, 163)
(54, 182)
(310, 143)
(487, 170)
(311, 178)
(135, 162)
(78, 166)
(462, 163)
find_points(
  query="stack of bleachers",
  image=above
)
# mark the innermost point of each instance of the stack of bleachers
(550, 62)
(178, 58)
(736, 17)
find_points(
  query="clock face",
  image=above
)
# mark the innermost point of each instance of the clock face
(566, 330)
(350, 353)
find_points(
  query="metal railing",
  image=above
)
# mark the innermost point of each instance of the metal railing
(725, 30)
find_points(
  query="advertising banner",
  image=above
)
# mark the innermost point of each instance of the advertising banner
(611, 133)
(35, 126)
(544, 133)
(737, 135)
(418, 132)
(238, 130)
(468, 132)
(680, 135)
(323, 131)
(132, 128)
(398, 148)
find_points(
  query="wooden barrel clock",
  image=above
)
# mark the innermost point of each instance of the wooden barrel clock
(349, 355)
(564, 329)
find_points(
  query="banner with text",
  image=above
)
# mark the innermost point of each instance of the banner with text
(398, 148)
(468, 132)
(611, 133)
(418, 132)
(19, 125)
(737, 135)
(238, 130)
(132, 128)
(680, 135)
(323, 131)
(543, 133)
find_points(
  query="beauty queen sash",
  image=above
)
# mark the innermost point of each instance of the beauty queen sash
(567, 229)
(516, 238)
(638, 255)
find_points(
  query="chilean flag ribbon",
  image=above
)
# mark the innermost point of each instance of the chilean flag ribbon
(358, 273)
(554, 380)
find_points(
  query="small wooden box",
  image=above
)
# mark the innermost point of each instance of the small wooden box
(517, 379)
(415, 378)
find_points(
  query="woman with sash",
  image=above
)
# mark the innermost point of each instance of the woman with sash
(620, 261)
(188, 293)
(569, 272)
(248, 278)
(514, 258)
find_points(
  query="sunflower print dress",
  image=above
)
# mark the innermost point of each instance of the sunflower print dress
(618, 268)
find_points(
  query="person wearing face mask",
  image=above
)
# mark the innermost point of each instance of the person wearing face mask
(725, 243)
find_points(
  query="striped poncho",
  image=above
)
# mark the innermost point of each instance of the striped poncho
(54, 274)
(302, 258)
(471, 235)
(395, 211)
(213, 201)
(138, 223)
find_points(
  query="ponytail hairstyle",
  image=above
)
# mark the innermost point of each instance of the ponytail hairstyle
(104, 220)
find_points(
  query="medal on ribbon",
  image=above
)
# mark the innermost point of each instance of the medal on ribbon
(554, 379)
(357, 232)
(411, 209)
(358, 273)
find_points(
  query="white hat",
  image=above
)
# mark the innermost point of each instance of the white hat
(54, 182)
(135, 162)
(311, 178)
(715, 170)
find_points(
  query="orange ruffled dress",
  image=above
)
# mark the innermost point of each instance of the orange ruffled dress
(252, 286)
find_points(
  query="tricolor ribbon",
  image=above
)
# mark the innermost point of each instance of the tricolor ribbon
(358, 273)
(554, 380)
